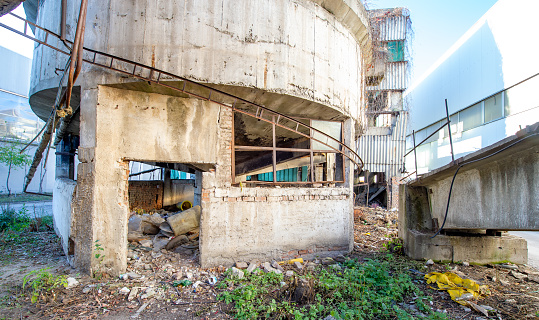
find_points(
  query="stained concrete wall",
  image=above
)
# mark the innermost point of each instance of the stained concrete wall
(63, 192)
(312, 50)
(274, 223)
(501, 195)
(120, 125)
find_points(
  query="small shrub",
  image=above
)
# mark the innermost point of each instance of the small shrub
(41, 282)
(12, 220)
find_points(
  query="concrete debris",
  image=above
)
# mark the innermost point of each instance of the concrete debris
(185, 221)
(146, 243)
(533, 277)
(508, 266)
(252, 266)
(133, 294)
(160, 243)
(429, 262)
(133, 275)
(237, 273)
(276, 265)
(71, 282)
(518, 275)
(289, 273)
(298, 265)
(466, 264)
(124, 291)
(267, 266)
(241, 265)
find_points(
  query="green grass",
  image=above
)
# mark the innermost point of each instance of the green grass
(23, 197)
(373, 289)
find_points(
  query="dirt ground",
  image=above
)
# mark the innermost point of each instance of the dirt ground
(165, 285)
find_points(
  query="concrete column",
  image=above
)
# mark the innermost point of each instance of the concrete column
(101, 203)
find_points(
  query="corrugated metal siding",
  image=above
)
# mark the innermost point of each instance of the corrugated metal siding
(395, 77)
(393, 28)
(385, 153)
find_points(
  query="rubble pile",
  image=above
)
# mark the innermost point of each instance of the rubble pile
(374, 228)
(174, 231)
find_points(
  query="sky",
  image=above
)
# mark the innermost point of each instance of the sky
(436, 24)
(13, 41)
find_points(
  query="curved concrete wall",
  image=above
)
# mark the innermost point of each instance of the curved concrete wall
(296, 48)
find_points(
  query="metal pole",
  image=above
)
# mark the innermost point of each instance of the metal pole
(415, 153)
(274, 151)
(449, 130)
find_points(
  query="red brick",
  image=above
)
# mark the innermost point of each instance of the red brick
(248, 198)
(261, 198)
(303, 251)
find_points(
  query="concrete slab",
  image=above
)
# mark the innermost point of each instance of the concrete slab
(472, 248)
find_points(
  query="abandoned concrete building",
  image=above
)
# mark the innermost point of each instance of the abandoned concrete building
(473, 145)
(382, 146)
(259, 100)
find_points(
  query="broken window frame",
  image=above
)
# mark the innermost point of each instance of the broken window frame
(274, 149)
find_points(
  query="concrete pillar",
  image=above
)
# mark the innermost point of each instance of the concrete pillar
(100, 206)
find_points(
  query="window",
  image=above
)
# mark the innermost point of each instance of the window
(395, 51)
(471, 117)
(493, 108)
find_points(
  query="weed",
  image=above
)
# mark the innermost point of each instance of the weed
(374, 289)
(99, 256)
(41, 281)
(13, 220)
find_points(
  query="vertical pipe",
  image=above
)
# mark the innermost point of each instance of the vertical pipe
(274, 150)
(233, 149)
(415, 153)
(63, 20)
(449, 130)
(311, 153)
(76, 52)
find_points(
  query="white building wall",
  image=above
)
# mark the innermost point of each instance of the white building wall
(495, 54)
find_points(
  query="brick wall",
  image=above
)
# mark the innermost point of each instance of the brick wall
(145, 195)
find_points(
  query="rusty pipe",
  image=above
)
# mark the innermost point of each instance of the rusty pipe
(63, 20)
(76, 53)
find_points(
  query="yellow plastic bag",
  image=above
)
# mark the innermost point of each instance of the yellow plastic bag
(460, 290)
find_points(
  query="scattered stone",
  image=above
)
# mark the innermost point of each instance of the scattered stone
(508, 266)
(298, 265)
(177, 276)
(518, 275)
(277, 266)
(124, 291)
(328, 261)
(340, 258)
(146, 243)
(289, 273)
(429, 262)
(86, 290)
(159, 243)
(252, 266)
(241, 265)
(71, 282)
(466, 264)
(269, 268)
(237, 273)
(124, 276)
(132, 294)
(133, 275)
(533, 277)
(165, 227)
(156, 255)
(150, 292)
(177, 241)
